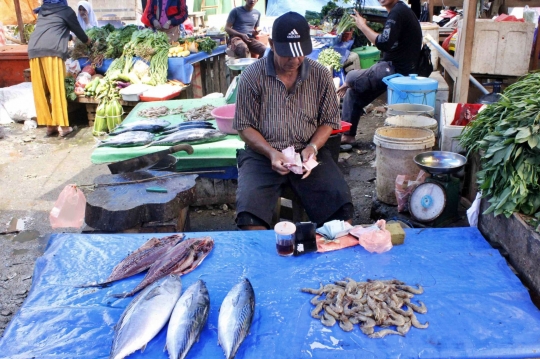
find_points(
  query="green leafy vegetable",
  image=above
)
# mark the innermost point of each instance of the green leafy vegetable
(329, 57)
(508, 132)
(69, 83)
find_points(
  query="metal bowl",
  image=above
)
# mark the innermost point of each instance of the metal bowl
(440, 162)
(240, 64)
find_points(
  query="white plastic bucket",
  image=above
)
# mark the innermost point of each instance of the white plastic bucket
(412, 121)
(397, 109)
(396, 148)
(433, 30)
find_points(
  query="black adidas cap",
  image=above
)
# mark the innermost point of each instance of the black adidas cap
(290, 35)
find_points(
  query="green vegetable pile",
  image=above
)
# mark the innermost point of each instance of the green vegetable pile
(117, 39)
(329, 57)
(345, 24)
(509, 133)
(207, 44)
(69, 84)
(96, 52)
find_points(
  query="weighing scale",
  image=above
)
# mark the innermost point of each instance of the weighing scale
(236, 65)
(437, 199)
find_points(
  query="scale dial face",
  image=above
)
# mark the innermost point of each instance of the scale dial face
(427, 201)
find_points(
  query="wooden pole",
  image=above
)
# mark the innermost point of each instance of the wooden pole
(19, 20)
(465, 51)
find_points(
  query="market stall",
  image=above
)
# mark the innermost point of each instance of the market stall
(207, 155)
(476, 306)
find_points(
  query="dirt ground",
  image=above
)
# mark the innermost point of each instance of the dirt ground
(34, 169)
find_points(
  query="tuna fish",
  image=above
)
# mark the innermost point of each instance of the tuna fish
(192, 136)
(235, 317)
(187, 320)
(141, 259)
(186, 126)
(145, 316)
(181, 259)
(148, 125)
(128, 139)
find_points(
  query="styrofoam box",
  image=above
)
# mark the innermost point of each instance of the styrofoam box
(502, 48)
(449, 132)
(442, 95)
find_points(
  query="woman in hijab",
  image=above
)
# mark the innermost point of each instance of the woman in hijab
(47, 50)
(85, 15)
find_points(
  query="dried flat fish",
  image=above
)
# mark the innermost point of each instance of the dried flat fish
(371, 304)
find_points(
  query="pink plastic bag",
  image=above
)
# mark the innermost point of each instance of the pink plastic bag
(69, 208)
(374, 238)
(405, 187)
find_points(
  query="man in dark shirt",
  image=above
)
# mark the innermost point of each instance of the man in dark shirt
(242, 26)
(400, 42)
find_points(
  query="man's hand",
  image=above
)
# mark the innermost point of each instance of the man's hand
(308, 152)
(156, 24)
(358, 19)
(167, 25)
(255, 32)
(278, 160)
(245, 38)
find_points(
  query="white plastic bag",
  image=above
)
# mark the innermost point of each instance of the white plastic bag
(375, 238)
(73, 67)
(69, 208)
(18, 101)
(474, 211)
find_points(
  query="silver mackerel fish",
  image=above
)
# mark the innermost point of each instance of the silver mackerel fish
(145, 316)
(235, 317)
(187, 320)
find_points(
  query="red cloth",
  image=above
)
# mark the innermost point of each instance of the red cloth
(465, 113)
(504, 17)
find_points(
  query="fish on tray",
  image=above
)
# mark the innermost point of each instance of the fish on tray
(141, 259)
(128, 139)
(181, 259)
(192, 136)
(187, 125)
(187, 320)
(145, 316)
(235, 317)
(148, 125)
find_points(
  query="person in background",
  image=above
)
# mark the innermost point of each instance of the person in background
(47, 51)
(167, 16)
(86, 16)
(242, 27)
(286, 99)
(400, 42)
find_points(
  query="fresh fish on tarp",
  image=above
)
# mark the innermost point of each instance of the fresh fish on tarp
(170, 130)
(145, 316)
(141, 259)
(148, 125)
(191, 136)
(187, 320)
(235, 317)
(181, 259)
(128, 139)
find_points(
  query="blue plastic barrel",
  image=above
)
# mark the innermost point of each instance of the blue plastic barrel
(411, 89)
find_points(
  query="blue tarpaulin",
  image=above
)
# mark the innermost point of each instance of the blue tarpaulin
(280, 7)
(477, 308)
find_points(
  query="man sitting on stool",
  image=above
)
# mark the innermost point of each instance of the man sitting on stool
(286, 99)
(401, 41)
(242, 26)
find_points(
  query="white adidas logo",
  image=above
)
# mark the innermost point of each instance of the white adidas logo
(293, 35)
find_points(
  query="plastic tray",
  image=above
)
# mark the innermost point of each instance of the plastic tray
(345, 126)
(168, 97)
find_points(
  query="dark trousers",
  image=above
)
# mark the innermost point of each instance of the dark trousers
(364, 87)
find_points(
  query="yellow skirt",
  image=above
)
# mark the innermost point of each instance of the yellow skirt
(48, 81)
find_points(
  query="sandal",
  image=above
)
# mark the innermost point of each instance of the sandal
(51, 131)
(67, 131)
(348, 140)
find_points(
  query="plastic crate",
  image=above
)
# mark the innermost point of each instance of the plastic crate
(345, 126)
(328, 40)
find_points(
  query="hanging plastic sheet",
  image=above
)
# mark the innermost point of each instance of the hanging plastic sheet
(477, 308)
